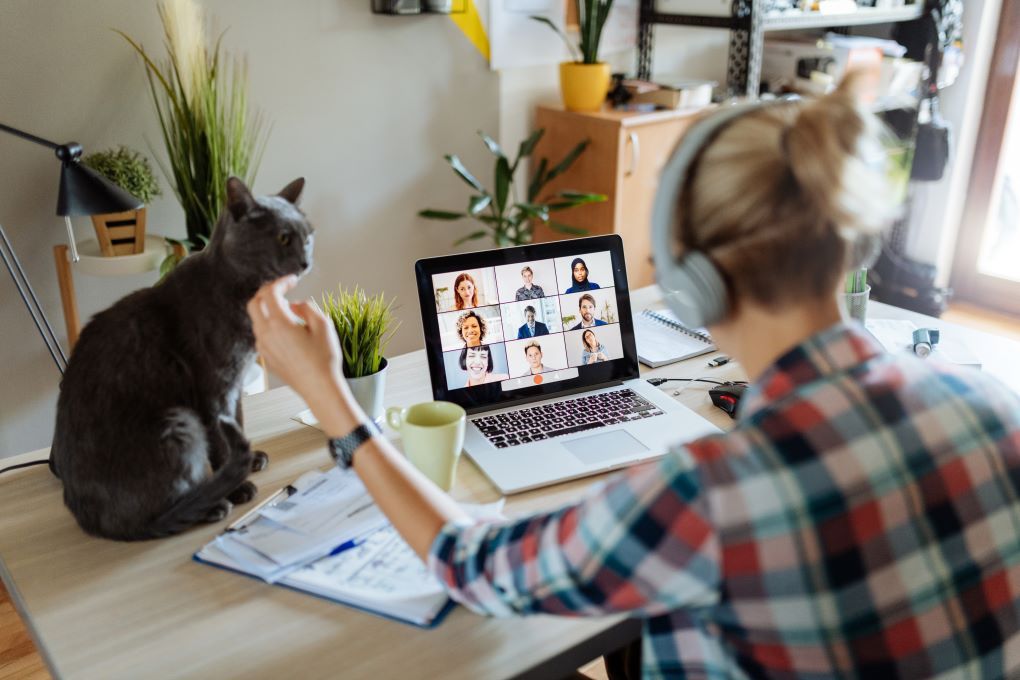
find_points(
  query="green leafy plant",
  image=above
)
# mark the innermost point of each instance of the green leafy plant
(364, 325)
(591, 19)
(201, 100)
(126, 168)
(506, 219)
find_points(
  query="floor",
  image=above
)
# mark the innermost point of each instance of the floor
(19, 660)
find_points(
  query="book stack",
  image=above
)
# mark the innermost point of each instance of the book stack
(678, 94)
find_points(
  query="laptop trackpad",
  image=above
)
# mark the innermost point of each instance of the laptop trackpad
(600, 448)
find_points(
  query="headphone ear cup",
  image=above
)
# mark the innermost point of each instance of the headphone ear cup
(694, 290)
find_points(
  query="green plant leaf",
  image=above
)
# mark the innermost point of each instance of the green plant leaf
(568, 160)
(503, 179)
(481, 233)
(464, 173)
(492, 144)
(441, 214)
(536, 211)
(570, 46)
(566, 228)
(478, 203)
(538, 179)
(526, 147)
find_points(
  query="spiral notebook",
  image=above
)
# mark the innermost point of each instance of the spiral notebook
(662, 339)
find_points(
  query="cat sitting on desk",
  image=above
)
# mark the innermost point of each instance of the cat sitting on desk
(148, 438)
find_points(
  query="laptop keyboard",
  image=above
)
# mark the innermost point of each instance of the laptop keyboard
(589, 412)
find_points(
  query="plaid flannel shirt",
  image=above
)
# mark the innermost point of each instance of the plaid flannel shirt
(862, 520)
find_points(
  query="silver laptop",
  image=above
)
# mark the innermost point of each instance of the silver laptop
(537, 344)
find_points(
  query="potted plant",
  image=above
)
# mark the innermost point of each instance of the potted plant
(584, 82)
(123, 233)
(365, 326)
(208, 129)
(503, 216)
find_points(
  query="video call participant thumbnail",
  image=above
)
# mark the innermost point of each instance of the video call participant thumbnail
(592, 351)
(579, 273)
(531, 328)
(471, 328)
(586, 308)
(529, 291)
(533, 352)
(477, 362)
(465, 292)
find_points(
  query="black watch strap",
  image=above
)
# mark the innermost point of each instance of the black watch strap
(342, 448)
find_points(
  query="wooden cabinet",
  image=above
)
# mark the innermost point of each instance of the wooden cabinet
(623, 160)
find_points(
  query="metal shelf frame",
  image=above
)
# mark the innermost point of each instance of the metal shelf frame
(747, 24)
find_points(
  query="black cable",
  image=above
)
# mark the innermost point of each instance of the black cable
(659, 381)
(24, 465)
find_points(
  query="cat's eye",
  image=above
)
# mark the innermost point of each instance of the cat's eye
(284, 239)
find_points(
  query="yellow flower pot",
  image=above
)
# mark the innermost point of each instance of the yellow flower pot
(584, 86)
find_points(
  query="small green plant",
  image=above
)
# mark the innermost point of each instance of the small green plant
(126, 168)
(591, 19)
(506, 218)
(364, 325)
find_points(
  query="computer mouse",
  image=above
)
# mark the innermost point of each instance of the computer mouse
(727, 397)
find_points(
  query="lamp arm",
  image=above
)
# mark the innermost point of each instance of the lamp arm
(65, 152)
(42, 324)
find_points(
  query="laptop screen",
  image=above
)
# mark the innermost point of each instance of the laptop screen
(518, 324)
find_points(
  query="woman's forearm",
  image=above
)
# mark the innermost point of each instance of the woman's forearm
(415, 506)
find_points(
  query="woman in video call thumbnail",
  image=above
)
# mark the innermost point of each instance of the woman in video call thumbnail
(593, 351)
(465, 292)
(477, 361)
(471, 328)
(579, 270)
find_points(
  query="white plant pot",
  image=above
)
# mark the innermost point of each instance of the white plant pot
(369, 392)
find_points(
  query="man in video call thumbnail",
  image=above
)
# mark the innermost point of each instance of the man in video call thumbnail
(531, 328)
(529, 291)
(586, 307)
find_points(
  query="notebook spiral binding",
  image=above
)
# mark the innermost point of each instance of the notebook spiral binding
(675, 325)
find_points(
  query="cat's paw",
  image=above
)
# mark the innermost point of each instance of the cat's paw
(243, 493)
(218, 511)
(259, 461)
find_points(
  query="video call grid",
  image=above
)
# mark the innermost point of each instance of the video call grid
(505, 343)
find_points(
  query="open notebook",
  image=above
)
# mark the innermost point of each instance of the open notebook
(662, 339)
(323, 535)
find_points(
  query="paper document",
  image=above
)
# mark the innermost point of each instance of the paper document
(896, 335)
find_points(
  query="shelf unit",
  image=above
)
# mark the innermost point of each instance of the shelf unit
(747, 23)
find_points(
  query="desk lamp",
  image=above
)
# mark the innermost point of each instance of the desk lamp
(82, 192)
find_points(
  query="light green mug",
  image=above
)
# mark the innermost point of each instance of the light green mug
(433, 435)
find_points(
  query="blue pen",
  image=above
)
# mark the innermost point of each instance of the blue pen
(347, 545)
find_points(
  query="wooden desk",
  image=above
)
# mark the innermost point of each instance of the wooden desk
(101, 609)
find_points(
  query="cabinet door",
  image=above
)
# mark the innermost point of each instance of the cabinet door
(594, 171)
(644, 150)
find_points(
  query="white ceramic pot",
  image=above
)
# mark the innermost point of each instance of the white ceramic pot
(369, 391)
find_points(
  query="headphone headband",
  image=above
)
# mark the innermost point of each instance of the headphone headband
(693, 287)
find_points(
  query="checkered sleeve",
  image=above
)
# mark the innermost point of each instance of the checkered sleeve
(641, 543)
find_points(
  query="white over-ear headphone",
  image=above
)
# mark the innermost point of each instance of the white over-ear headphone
(692, 287)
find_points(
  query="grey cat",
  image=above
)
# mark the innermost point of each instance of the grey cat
(148, 438)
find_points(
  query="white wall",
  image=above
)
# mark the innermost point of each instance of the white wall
(363, 106)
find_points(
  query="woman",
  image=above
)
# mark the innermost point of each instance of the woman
(533, 354)
(471, 328)
(592, 350)
(477, 362)
(465, 292)
(579, 271)
(860, 520)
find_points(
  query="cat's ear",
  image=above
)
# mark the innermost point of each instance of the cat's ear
(292, 192)
(239, 199)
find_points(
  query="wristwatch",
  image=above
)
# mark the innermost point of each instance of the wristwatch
(342, 448)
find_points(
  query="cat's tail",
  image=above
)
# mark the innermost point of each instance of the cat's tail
(207, 500)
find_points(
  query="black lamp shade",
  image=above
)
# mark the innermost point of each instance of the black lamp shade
(83, 191)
